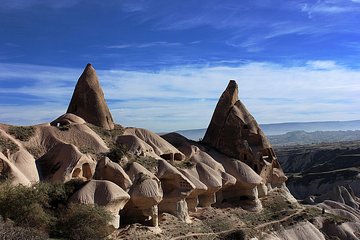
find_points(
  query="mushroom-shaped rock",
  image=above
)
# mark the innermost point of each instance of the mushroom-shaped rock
(88, 100)
(9, 171)
(64, 162)
(200, 156)
(67, 119)
(176, 188)
(111, 171)
(161, 147)
(200, 188)
(103, 193)
(180, 142)
(212, 179)
(145, 193)
(247, 179)
(136, 146)
(234, 132)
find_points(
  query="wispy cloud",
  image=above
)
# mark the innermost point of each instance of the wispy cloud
(322, 64)
(184, 97)
(145, 45)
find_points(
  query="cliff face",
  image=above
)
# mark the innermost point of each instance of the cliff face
(317, 169)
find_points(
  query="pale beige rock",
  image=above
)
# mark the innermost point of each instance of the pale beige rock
(64, 162)
(25, 162)
(145, 193)
(14, 175)
(88, 100)
(200, 188)
(300, 231)
(103, 193)
(136, 146)
(20, 159)
(213, 180)
(161, 147)
(80, 135)
(111, 171)
(67, 119)
(176, 188)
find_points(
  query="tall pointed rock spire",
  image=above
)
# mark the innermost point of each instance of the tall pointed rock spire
(88, 100)
(234, 132)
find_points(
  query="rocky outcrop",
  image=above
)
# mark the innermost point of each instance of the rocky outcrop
(64, 162)
(160, 147)
(103, 193)
(234, 132)
(67, 119)
(88, 100)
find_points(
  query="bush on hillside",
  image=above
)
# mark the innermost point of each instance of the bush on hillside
(22, 133)
(82, 222)
(43, 209)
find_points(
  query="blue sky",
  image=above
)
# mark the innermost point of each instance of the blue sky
(163, 64)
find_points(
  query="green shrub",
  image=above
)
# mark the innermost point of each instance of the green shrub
(22, 133)
(9, 231)
(80, 222)
(116, 153)
(25, 206)
(7, 144)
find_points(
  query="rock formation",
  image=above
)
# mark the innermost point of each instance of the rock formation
(64, 162)
(208, 183)
(176, 188)
(111, 171)
(145, 195)
(234, 132)
(103, 193)
(88, 100)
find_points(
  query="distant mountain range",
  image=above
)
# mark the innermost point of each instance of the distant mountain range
(283, 128)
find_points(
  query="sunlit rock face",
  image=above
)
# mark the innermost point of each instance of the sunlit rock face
(88, 100)
(234, 132)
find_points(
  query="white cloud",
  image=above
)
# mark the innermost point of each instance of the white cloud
(184, 97)
(322, 64)
(145, 45)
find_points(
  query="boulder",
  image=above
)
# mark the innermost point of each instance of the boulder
(103, 193)
(88, 100)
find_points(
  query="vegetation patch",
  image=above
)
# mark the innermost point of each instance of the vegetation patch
(22, 133)
(43, 210)
(109, 136)
(117, 152)
(5, 144)
(184, 164)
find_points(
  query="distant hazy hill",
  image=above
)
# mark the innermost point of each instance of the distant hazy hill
(282, 128)
(302, 137)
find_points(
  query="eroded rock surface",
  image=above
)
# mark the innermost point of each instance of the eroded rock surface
(88, 100)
